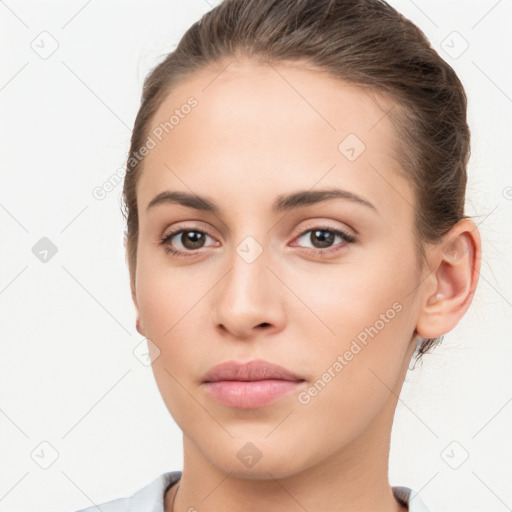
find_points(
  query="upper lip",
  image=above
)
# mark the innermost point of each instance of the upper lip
(249, 371)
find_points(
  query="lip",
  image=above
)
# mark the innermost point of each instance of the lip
(249, 385)
(256, 369)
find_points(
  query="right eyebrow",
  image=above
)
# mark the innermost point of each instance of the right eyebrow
(184, 199)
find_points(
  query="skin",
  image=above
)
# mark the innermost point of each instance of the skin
(251, 138)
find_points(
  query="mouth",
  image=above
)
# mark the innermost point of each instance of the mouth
(250, 385)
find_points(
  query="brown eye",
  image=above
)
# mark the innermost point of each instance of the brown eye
(192, 239)
(183, 241)
(323, 238)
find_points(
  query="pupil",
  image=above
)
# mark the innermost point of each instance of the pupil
(192, 239)
(324, 240)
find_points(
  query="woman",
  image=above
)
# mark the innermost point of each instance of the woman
(295, 236)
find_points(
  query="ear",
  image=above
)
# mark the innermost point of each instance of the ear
(449, 290)
(138, 324)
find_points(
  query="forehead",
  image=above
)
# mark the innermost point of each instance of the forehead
(256, 96)
(256, 124)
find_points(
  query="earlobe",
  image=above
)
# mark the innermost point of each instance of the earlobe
(455, 272)
(138, 323)
(139, 328)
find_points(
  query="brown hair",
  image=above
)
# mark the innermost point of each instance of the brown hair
(365, 42)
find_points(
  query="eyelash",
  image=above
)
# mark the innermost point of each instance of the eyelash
(346, 239)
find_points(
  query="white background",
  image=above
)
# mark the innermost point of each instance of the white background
(68, 374)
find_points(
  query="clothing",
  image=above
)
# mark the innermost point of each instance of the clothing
(151, 497)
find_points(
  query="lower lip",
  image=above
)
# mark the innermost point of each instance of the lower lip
(250, 394)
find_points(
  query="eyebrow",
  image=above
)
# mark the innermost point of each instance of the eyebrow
(282, 203)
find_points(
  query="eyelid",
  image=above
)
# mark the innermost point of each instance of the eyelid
(321, 224)
(167, 236)
(174, 229)
(333, 249)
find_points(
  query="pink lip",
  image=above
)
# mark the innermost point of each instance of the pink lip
(250, 385)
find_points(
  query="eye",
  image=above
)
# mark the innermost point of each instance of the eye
(322, 239)
(190, 239)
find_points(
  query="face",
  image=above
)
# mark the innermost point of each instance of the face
(269, 267)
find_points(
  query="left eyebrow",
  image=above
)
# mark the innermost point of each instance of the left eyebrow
(308, 197)
(282, 203)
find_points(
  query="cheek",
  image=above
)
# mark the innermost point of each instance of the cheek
(359, 368)
(174, 313)
(367, 321)
(347, 299)
(166, 298)
(165, 295)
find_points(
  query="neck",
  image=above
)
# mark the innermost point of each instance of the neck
(351, 478)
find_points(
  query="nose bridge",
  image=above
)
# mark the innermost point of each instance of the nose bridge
(247, 279)
(248, 296)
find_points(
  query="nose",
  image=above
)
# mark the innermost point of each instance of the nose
(249, 298)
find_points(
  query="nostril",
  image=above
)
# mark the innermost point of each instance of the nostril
(264, 324)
